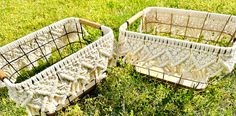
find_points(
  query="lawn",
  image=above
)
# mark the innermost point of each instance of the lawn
(124, 91)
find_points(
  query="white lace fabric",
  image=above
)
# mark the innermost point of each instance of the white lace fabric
(183, 62)
(59, 84)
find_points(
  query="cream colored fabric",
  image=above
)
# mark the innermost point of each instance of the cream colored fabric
(50, 89)
(192, 61)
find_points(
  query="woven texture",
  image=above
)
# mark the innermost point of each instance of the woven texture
(60, 83)
(26, 51)
(191, 61)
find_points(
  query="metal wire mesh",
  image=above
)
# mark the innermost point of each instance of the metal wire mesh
(202, 27)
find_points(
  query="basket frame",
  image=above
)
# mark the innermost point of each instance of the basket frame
(189, 45)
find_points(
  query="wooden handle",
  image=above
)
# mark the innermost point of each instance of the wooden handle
(135, 17)
(90, 23)
(3, 75)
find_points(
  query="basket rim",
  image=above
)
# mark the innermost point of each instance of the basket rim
(190, 11)
(5, 48)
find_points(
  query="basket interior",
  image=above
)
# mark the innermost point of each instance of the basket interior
(46, 48)
(202, 27)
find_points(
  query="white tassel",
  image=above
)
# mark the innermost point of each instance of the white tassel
(67, 77)
(44, 104)
(87, 65)
(101, 66)
(104, 53)
(81, 77)
(42, 92)
(28, 99)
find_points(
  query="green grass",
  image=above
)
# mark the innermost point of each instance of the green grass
(124, 91)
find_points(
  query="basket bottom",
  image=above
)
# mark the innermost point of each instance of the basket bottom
(159, 73)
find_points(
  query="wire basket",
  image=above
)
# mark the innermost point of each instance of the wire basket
(185, 47)
(46, 70)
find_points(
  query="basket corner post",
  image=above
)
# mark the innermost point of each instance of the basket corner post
(3, 75)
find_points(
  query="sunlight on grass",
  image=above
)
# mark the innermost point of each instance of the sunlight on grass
(124, 91)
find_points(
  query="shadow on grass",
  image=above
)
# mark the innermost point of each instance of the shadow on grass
(3, 92)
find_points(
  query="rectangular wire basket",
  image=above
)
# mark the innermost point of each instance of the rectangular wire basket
(46, 70)
(185, 47)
